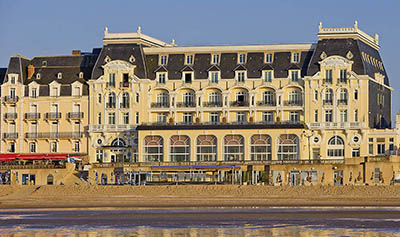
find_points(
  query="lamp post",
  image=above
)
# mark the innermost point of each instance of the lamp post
(308, 141)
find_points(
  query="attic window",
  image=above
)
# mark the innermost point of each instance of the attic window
(81, 75)
(132, 59)
(295, 57)
(38, 76)
(59, 75)
(107, 59)
(268, 58)
(44, 63)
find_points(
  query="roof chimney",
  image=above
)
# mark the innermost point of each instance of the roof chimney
(76, 52)
(31, 71)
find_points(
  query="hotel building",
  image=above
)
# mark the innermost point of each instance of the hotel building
(149, 105)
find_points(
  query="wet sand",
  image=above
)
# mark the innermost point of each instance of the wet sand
(206, 196)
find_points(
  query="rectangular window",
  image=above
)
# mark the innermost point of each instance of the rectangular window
(187, 118)
(161, 118)
(99, 155)
(343, 76)
(53, 147)
(328, 76)
(343, 116)
(12, 80)
(328, 116)
(215, 59)
(240, 76)
(137, 97)
(381, 149)
(137, 117)
(32, 147)
(241, 117)
(162, 77)
(268, 76)
(355, 94)
(99, 118)
(111, 118)
(189, 59)
(295, 57)
(163, 60)
(268, 58)
(316, 116)
(268, 117)
(356, 115)
(294, 117)
(214, 77)
(214, 117)
(355, 152)
(294, 75)
(33, 93)
(371, 149)
(11, 147)
(99, 98)
(111, 80)
(242, 58)
(188, 77)
(125, 118)
(316, 95)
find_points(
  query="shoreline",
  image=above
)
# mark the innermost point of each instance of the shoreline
(210, 197)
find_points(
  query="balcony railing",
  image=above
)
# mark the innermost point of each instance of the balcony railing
(186, 104)
(124, 84)
(53, 115)
(53, 135)
(328, 102)
(110, 105)
(10, 135)
(239, 103)
(111, 84)
(212, 104)
(346, 125)
(75, 115)
(32, 116)
(293, 103)
(160, 105)
(342, 80)
(266, 103)
(11, 99)
(342, 102)
(10, 116)
(110, 128)
(124, 105)
(328, 81)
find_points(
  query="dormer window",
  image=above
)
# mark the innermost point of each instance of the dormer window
(163, 60)
(33, 93)
(242, 58)
(107, 59)
(214, 77)
(215, 59)
(189, 59)
(328, 76)
(268, 58)
(77, 91)
(59, 75)
(187, 77)
(241, 76)
(81, 75)
(44, 63)
(131, 59)
(12, 80)
(54, 91)
(295, 57)
(38, 76)
(294, 75)
(268, 76)
(162, 76)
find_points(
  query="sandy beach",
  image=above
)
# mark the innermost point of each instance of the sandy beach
(85, 196)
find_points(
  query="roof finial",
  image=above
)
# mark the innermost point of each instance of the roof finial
(320, 26)
(173, 42)
(356, 25)
(376, 38)
(139, 30)
(106, 30)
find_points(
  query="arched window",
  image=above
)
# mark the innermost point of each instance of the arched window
(179, 148)
(233, 148)
(261, 147)
(206, 148)
(163, 99)
(153, 149)
(111, 100)
(336, 147)
(342, 97)
(268, 97)
(118, 142)
(214, 98)
(288, 147)
(329, 96)
(125, 100)
(188, 98)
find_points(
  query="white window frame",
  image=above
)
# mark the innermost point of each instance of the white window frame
(189, 59)
(241, 76)
(206, 149)
(214, 76)
(261, 148)
(269, 57)
(161, 77)
(215, 59)
(163, 60)
(242, 58)
(268, 75)
(296, 57)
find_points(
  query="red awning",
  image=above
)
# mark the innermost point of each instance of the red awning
(56, 156)
(7, 157)
(31, 156)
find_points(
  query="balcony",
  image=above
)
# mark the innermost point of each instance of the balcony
(10, 135)
(327, 81)
(111, 128)
(186, 104)
(328, 102)
(75, 115)
(159, 104)
(10, 116)
(53, 115)
(239, 103)
(32, 116)
(266, 103)
(110, 105)
(292, 103)
(212, 104)
(342, 80)
(111, 84)
(11, 99)
(346, 125)
(124, 84)
(342, 102)
(124, 105)
(54, 135)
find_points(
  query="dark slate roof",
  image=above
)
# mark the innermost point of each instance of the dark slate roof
(200, 66)
(152, 65)
(293, 66)
(187, 68)
(121, 52)
(240, 67)
(18, 65)
(267, 67)
(3, 72)
(253, 64)
(175, 64)
(341, 47)
(214, 68)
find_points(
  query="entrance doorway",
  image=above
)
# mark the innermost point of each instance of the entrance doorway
(338, 177)
(294, 178)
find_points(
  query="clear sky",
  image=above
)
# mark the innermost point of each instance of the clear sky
(48, 27)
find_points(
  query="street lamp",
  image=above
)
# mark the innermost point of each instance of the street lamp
(308, 141)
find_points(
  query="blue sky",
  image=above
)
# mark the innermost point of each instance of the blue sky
(36, 28)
